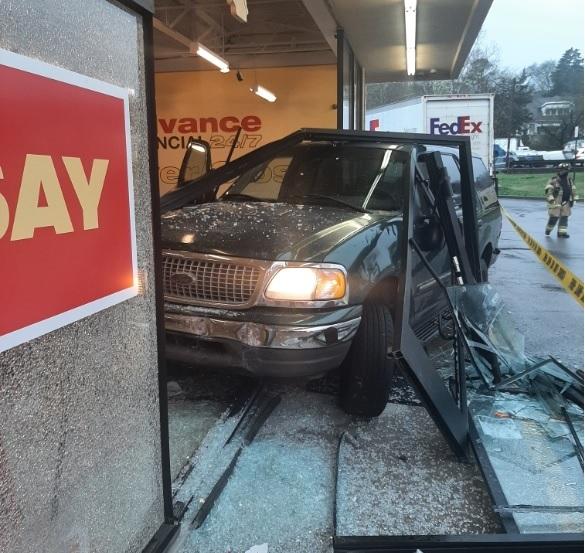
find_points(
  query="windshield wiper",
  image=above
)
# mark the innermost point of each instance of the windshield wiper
(329, 198)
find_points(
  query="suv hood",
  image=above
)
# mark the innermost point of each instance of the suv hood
(262, 230)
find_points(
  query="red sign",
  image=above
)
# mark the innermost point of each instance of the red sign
(67, 239)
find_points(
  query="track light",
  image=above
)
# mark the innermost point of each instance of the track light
(410, 26)
(264, 93)
(213, 58)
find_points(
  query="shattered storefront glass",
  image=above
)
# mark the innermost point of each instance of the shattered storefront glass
(528, 414)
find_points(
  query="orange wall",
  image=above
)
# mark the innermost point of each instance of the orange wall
(305, 98)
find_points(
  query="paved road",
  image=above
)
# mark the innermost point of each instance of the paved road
(550, 319)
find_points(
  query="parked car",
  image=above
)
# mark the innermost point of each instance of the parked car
(501, 159)
(552, 155)
(522, 156)
(288, 268)
(571, 147)
(525, 156)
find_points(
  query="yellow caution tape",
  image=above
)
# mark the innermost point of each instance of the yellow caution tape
(569, 281)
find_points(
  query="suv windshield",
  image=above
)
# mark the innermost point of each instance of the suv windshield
(344, 175)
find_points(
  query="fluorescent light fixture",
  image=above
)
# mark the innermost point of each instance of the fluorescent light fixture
(410, 61)
(264, 93)
(410, 25)
(216, 60)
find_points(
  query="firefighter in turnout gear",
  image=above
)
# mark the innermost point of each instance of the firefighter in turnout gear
(560, 196)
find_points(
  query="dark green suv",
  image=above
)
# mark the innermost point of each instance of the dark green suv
(284, 262)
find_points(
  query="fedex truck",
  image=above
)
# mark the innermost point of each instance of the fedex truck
(455, 114)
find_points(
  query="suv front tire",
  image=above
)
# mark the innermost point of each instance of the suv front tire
(366, 372)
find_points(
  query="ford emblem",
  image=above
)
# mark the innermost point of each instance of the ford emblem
(182, 279)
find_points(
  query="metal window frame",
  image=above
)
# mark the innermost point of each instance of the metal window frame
(483, 543)
(454, 423)
(355, 85)
(350, 85)
(168, 530)
(360, 115)
(340, 36)
(407, 349)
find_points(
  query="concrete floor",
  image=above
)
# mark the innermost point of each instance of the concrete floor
(189, 423)
(197, 398)
(399, 477)
(281, 491)
(396, 476)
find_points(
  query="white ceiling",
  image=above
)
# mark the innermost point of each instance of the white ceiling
(446, 30)
(278, 32)
(302, 32)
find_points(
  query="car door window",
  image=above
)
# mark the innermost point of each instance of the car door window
(454, 175)
(388, 195)
(426, 295)
(484, 186)
(480, 174)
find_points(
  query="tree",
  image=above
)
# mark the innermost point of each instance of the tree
(540, 77)
(567, 77)
(481, 71)
(567, 81)
(479, 75)
(379, 94)
(511, 112)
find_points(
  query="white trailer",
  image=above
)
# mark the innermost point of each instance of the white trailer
(456, 114)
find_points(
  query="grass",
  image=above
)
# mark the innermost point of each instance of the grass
(530, 185)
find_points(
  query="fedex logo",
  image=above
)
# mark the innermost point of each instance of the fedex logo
(463, 125)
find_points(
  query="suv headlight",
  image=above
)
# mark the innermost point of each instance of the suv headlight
(307, 284)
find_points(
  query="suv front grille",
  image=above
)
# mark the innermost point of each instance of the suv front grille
(192, 280)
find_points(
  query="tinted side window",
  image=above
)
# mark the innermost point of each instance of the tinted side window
(486, 191)
(388, 195)
(454, 175)
(480, 174)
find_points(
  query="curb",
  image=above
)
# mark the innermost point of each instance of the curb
(543, 199)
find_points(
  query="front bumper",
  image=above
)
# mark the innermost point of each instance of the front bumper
(263, 335)
(262, 349)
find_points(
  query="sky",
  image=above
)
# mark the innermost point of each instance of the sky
(533, 31)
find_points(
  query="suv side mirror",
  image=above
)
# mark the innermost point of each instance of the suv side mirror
(196, 163)
(428, 234)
